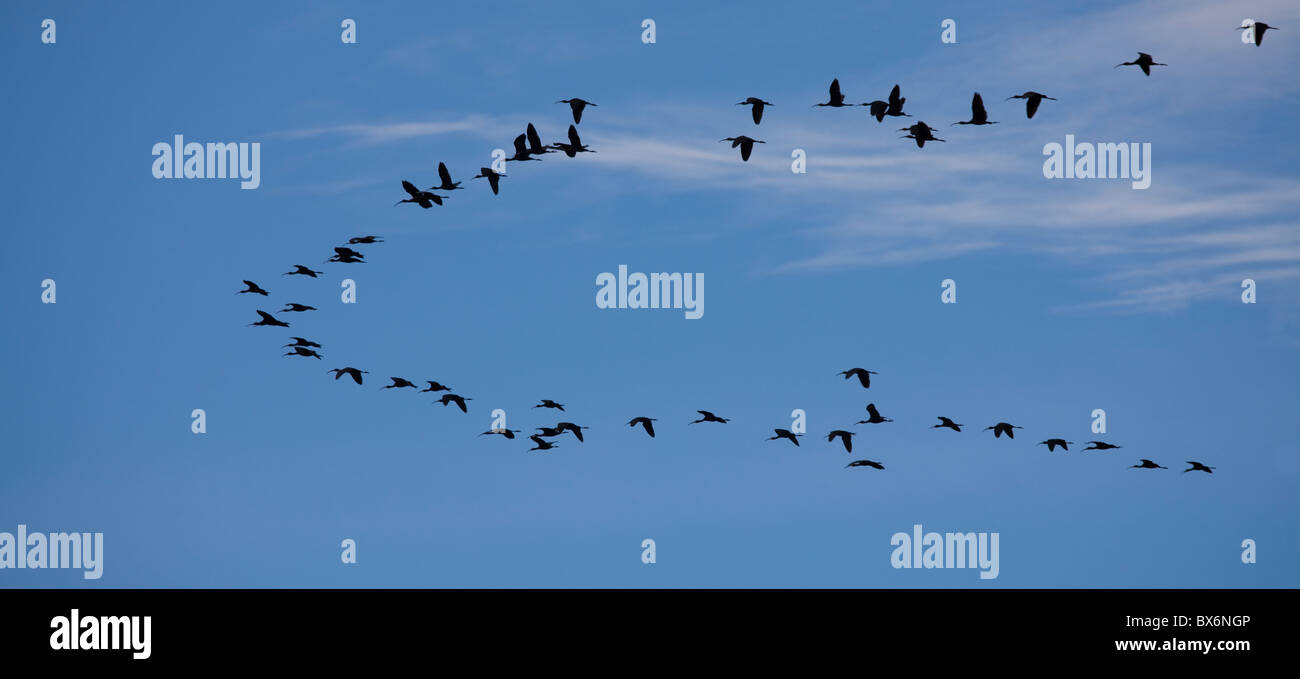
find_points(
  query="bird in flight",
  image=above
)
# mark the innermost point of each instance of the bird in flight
(1032, 100)
(786, 434)
(493, 177)
(268, 319)
(508, 433)
(303, 351)
(542, 444)
(348, 253)
(521, 150)
(1144, 61)
(535, 146)
(846, 437)
(1053, 443)
(253, 288)
(978, 116)
(920, 132)
(1100, 445)
(873, 416)
(444, 177)
(746, 145)
(435, 386)
(1259, 27)
(576, 105)
(758, 105)
(1198, 467)
(1147, 464)
(707, 416)
(571, 427)
(947, 424)
(398, 383)
(355, 258)
(865, 463)
(425, 199)
(350, 372)
(300, 342)
(864, 376)
(837, 98)
(575, 145)
(548, 403)
(294, 306)
(1003, 428)
(645, 422)
(550, 431)
(364, 240)
(454, 398)
(893, 107)
(300, 270)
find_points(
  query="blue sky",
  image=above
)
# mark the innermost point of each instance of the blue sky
(1072, 295)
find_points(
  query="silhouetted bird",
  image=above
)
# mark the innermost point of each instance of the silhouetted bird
(346, 259)
(1053, 443)
(548, 403)
(1198, 467)
(745, 143)
(1144, 61)
(1258, 27)
(645, 422)
(786, 434)
(493, 177)
(1100, 445)
(542, 444)
(351, 372)
(896, 103)
(364, 240)
(535, 146)
(879, 109)
(863, 375)
(575, 145)
(948, 424)
(846, 437)
(978, 116)
(444, 176)
(303, 351)
(919, 132)
(424, 199)
(434, 386)
(521, 150)
(864, 463)
(398, 383)
(454, 398)
(571, 427)
(1032, 100)
(253, 288)
(576, 105)
(508, 433)
(300, 342)
(268, 319)
(294, 306)
(874, 416)
(1003, 428)
(709, 417)
(1147, 464)
(344, 251)
(550, 431)
(837, 98)
(300, 270)
(758, 105)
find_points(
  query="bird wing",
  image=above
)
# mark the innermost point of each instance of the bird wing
(521, 148)
(573, 137)
(410, 188)
(894, 98)
(577, 105)
(494, 180)
(443, 174)
(1031, 106)
(746, 148)
(265, 316)
(534, 141)
(757, 112)
(835, 90)
(977, 108)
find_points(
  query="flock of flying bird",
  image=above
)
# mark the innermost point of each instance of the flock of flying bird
(528, 146)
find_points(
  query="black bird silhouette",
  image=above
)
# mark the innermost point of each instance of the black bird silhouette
(508, 433)
(1144, 61)
(550, 431)
(542, 444)
(863, 375)
(879, 109)
(1032, 100)
(535, 146)
(424, 199)
(758, 105)
(294, 306)
(493, 177)
(1053, 443)
(521, 150)
(874, 414)
(351, 372)
(303, 351)
(1003, 428)
(837, 98)
(864, 463)
(435, 386)
(947, 424)
(445, 177)
(1198, 467)
(398, 382)
(300, 270)
(364, 240)
(709, 417)
(548, 403)
(746, 145)
(645, 422)
(346, 259)
(344, 251)
(846, 437)
(1147, 464)
(786, 434)
(268, 319)
(571, 427)
(896, 103)
(576, 105)
(920, 132)
(300, 342)
(454, 398)
(1259, 27)
(575, 145)
(978, 116)
(253, 288)
(1100, 445)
